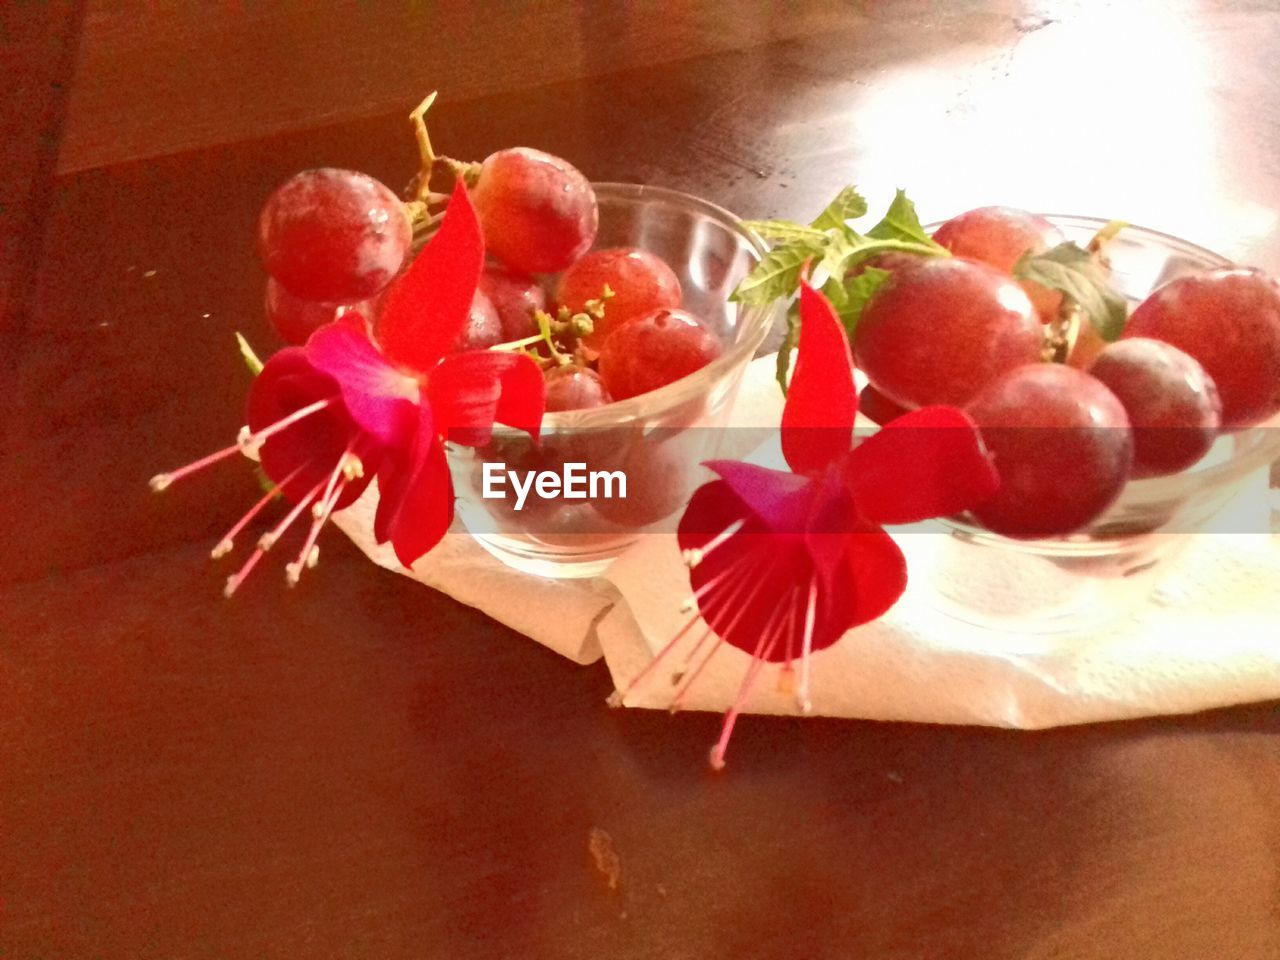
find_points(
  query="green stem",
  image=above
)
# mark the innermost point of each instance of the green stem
(512, 345)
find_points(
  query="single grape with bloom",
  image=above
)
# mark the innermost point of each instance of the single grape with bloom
(516, 299)
(1229, 321)
(293, 318)
(654, 350)
(484, 326)
(640, 281)
(334, 236)
(939, 331)
(1061, 443)
(538, 213)
(1171, 402)
(575, 388)
(999, 237)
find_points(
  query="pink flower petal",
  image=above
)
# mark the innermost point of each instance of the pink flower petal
(778, 498)
(469, 391)
(817, 420)
(427, 307)
(927, 463)
(381, 399)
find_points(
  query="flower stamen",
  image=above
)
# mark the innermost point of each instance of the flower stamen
(695, 555)
(227, 543)
(691, 602)
(806, 650)
(268, 539)
(251, 442)
(265, 543)
(677, 702)
(758, 660)
(339, 470)
(309, 555)
(162, 481)
(617, 698)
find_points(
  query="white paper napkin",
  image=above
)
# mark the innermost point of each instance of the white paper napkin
(560, 614)
(1209, 636)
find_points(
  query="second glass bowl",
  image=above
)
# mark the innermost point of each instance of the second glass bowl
(1092, 577)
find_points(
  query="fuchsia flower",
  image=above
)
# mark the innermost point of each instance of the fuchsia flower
(328, 417)
(784, 563)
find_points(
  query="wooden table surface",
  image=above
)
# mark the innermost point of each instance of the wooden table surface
(365, 768)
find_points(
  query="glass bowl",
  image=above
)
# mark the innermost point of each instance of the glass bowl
(659, 439)
(1099, 574)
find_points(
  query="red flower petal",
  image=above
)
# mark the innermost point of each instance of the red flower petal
(740, 581)
(753, 588)
(381, 399)
(874, 576)
(817, 420)
(304, 453)
(927, 463)
(415, 505)
(469, 391)
(426, 308)
(778, 498)
(832, 516)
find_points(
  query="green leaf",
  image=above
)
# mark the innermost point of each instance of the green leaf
(901, 222)
(848, 205)
(785, 231)
(250, 358)
(1073, 271)
(839, 253)
(778, 274)
(782, 365)
(857, 292)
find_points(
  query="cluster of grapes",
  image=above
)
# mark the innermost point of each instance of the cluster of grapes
(334, 241)
(1200, 355)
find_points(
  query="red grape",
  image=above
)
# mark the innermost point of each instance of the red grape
(1062, 446)
(333, 235)
(515, 298)
(999, 236)
(877, 407)
(295, 319)
(660, 480)
(1171, 403)
(575, 388)
(653, 350)
(1229, 320)
(940, 331)
(640, 281)
(537, 212)
(483, 328)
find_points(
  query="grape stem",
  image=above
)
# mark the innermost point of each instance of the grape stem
(418, 118)
(872, 247)
(513, 345)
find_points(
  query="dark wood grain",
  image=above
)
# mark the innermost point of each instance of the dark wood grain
(37, 48)
(363, 767)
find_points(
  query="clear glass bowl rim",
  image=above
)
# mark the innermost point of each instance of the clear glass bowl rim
(755, 323)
